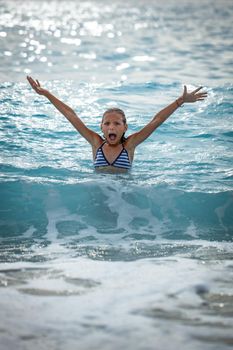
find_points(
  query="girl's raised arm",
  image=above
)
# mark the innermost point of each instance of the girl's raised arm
(187, 97)
(89, 135)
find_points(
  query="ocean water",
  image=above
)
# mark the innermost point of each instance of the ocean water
(138, 261)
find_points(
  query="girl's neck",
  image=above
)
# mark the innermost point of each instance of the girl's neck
(116, 145)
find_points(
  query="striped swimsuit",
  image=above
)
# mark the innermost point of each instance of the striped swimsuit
(122, 160)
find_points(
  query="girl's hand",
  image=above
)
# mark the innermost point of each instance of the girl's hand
(36, 86)
(194, 95)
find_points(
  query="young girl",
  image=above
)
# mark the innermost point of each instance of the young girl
(114, 152)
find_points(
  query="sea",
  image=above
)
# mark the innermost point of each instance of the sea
(136, 261)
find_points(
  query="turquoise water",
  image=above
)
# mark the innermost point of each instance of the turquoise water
(134, 261)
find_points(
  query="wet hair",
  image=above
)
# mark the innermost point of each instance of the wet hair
(122, 113)
(116, 110)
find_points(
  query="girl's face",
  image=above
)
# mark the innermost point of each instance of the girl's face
(113, 127)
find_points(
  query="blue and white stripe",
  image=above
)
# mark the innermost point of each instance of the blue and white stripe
(122, 160)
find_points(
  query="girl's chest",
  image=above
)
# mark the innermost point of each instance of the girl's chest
(112, 153)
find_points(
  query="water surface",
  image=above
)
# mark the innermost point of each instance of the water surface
(141, 260)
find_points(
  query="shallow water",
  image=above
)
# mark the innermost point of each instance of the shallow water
(140, 260)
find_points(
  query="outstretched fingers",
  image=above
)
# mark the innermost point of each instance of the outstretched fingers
(31, 82)
(199, 96)
(202, 94)
(195, 95)
(195, 91)
(30, 79)
(35, 85)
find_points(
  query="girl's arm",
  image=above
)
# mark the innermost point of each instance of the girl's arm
(89, 135)
(138, 137)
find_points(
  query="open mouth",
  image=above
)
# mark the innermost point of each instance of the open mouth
(112, 136)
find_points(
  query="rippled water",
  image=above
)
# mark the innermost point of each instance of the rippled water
(137, 261)
(98, 41)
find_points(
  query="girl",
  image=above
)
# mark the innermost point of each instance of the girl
(114, 152)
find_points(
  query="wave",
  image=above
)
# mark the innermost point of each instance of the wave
(113, 210)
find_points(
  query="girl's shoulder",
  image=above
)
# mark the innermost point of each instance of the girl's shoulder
(128, 144)
(98, 142)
